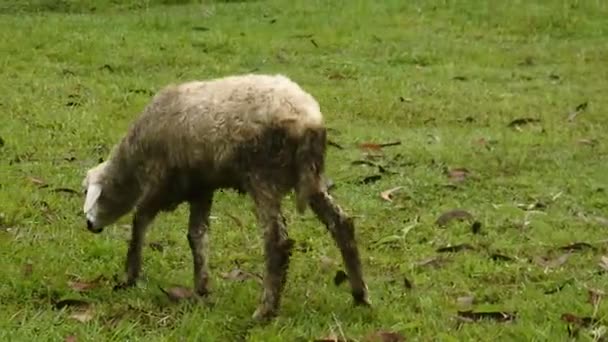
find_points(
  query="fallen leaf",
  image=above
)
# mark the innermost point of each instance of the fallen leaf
(522, 121)
(465, 300)
(494, 315)
(178, 293)
(590, 142)
(83, 315)
(107, 67)
(387, 194)
(77, 303)
(455, 248)
(28, 269)
(326, 263)
(595, 296)
(331, 338)
(70, 338)
(239, 275)
(576, 246)
(533, 206)
(82, 285)
(552, 263)
(457, 175)
(580, 321)
(579, 109)
(434, 261)
(384, 336)
(37, 181)
(603, 263)
(340, 277)
(456, 214)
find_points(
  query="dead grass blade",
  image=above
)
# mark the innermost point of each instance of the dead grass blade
(387, 195)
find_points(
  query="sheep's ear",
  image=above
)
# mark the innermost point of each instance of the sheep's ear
(93, 193)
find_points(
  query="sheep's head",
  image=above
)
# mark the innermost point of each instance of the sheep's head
(101, 208)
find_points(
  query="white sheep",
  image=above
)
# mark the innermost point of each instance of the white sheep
(258, 134)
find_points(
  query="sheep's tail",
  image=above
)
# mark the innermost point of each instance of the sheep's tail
(310, 165)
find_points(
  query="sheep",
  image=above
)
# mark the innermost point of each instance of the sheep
(261, 135)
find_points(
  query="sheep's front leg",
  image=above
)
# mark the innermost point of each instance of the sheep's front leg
(198, 226)
(141, 221)
(342, 230)
(277, 249)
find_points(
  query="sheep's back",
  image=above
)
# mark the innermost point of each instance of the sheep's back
(202, 123)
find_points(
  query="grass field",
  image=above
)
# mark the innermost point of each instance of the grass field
(445, 78)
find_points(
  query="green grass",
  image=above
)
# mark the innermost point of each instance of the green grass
(436, 75)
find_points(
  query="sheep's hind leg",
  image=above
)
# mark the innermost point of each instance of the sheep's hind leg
(277, 248)
(141, 221)
(198, 227)
(342, 230)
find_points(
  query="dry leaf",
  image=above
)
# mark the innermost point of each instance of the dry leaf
(326, 263)
(83, 316)
(387, 194)
(579, 109)
(522, 121)
(580, 321)
(240, 275)
(434, 261)
(81, 285)
(603, 263)
(76, 303)
(456, 214)
(70, 338)
(36, 181)
(595, 296)
(465, 300)
(457, 175)
(455, 248)
(589, 142)
(178, 293)
(331, 338)
(384, 336)
(552, 263)
(499, 316)
(28, 269)
(576, 246)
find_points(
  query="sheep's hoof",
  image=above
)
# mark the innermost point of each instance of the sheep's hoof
(362, 299)
(263, 314)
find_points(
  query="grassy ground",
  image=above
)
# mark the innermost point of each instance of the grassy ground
(443, 77)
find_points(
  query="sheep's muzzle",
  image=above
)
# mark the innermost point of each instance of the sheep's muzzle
(92, 229)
